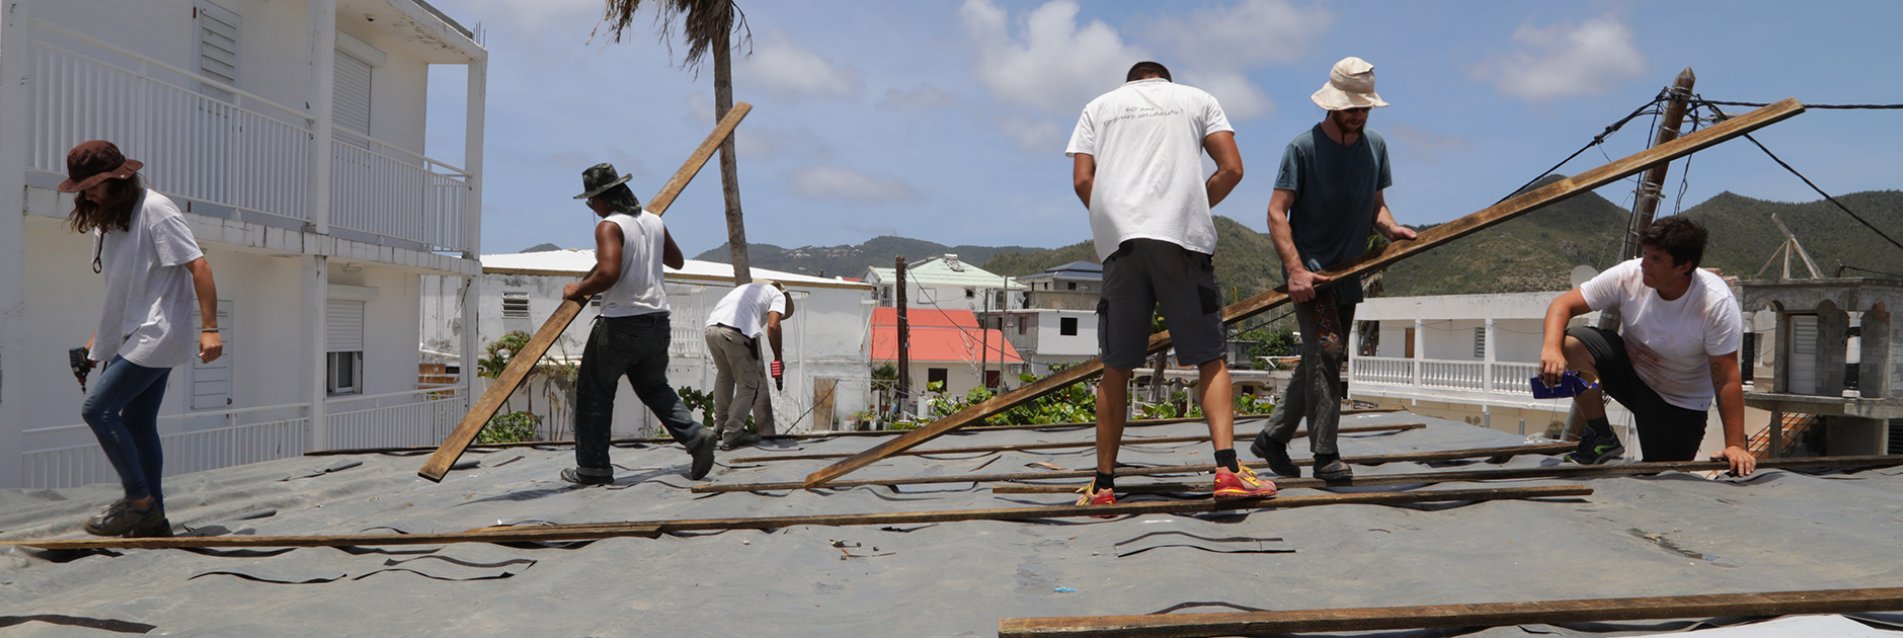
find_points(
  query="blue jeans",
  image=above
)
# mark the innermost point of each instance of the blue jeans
(634, 347)
(123, 410)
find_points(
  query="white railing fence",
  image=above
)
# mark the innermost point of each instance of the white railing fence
(421, 417)
(210, 142)
(1499, 377)
(1455, 375)
(1383, 370)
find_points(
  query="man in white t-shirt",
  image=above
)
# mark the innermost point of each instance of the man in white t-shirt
(1679, 351)
(733, 338)
(1137, 164)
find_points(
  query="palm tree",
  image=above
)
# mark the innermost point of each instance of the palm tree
(707, 26)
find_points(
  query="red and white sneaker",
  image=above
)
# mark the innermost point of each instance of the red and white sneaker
(1243, 484)
(1091, 496)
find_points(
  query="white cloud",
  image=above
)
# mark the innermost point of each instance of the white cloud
(1565, 60)
(530, 15)
(1058, 65)
(836, 183)
(1240, 98)
(1248, 33)
(786, 70)
(924, 97)
(1034, 134)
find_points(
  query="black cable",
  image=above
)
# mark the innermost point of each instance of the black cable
(1814, 106)
(1813, 185)
(1596, 140)
(1684, 176)
(1843, 267)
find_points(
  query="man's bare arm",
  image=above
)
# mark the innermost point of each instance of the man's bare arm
(607, 264)
(1384, 219)
(1221, 147)
(1301, 282)
(1729, 384)
(1083, 175)
(670, 252)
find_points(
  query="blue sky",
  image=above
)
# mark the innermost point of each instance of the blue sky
(946, 120)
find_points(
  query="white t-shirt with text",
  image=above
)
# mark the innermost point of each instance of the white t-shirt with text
(1147, 139)
(745, 308)
(1685, 332)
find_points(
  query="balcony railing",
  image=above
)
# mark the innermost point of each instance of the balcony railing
(1498, 377)
(210, 142)
(420, 417)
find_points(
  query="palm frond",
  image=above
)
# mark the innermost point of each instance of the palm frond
(703, 23)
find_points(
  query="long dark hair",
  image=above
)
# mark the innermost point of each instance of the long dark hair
(112, 212)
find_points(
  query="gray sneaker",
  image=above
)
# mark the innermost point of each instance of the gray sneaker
(1332, 468)
(702, 447)
(743, 440)
(122, 519)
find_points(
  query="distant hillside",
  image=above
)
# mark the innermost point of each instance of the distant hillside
(1536, 251)
(850, 260)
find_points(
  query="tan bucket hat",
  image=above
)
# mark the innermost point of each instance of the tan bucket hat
(1350, 86)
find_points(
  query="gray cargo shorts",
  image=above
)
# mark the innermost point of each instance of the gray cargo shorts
(1147, 273)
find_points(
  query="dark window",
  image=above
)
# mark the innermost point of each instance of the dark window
(991, 378)
(1072, 285)
(936, 375)
(1067, 326)
(971, 293)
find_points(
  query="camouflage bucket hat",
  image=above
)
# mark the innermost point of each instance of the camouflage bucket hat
(599, 178)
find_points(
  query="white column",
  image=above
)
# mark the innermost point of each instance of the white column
(1492, 356)
(15, 133)
(323, 88)
(1420, 349)
(315, 293)
(473, 110)
(471, 303)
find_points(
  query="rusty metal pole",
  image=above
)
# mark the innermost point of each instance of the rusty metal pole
(905, 340)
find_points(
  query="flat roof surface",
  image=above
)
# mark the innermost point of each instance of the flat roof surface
(1665, 535)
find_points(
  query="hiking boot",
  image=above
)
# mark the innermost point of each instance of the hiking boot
(587, 477)
(121, 518)
(1091, 496)
(702, 447)
(1276, 453)
(1332, 468)
(1241, 484)
(1594, 450)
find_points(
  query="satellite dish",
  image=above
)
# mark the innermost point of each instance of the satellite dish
(1582, 273)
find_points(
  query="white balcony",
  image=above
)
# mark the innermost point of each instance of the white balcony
(1493, 383)
(232, 153)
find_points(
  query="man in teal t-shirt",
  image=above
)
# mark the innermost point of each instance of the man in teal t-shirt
(1328, 197)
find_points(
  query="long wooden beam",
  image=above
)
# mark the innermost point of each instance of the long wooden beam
(1542, 612)
(524, 361)
(585, 531)
(1438, 455)
(1526, 202)
(1061, 445)
(1557, 471)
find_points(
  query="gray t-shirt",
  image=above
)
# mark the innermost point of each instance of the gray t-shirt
(147, 317)
(1334, 189)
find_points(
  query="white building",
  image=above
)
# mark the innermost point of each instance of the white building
(1050, 336)
(304, 181)
(945, 283)
(827, 377)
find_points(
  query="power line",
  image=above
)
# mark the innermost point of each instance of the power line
(1884, 107)
(1649, 107)
(1807, 182)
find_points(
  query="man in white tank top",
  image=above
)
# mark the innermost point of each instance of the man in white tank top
(631, 335)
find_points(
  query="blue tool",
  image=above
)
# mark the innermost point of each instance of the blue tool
(1570, 384)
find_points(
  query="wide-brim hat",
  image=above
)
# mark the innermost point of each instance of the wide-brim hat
(95, 161)
(1350, 86)
(788, 294)
(599, 178)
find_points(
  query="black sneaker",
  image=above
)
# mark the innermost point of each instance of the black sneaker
(1594, 450)
(121, 518)
(702, 447)
(582, 477)
(1276, 453)
(745, 439)
(1332, 468)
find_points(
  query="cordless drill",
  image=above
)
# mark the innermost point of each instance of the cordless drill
(82, 365)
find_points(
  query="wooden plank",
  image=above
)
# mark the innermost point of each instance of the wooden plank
(1525, 202)
(524, 361)
(584, 531)
(1559, 471)
(1062, 445)
(1542, 612)
(1438, 455)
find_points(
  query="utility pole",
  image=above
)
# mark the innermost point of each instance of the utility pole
(984, 341)
(905, 335)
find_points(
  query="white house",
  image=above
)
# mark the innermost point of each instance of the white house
(304, 181)
(945, 283)
(1049, 336)
(827, 377)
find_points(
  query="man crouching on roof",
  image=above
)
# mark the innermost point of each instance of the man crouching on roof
(1679, 349)
(631, 335)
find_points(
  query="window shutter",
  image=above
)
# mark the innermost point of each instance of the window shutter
(211, 382)
(217, 42)
(343, 326)
(352, 99)
(1803, 363)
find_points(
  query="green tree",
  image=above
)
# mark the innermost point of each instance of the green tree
(708, 27)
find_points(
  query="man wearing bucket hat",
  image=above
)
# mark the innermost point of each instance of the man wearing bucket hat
(631, 335)
(1137, 164)
(1328, 198)
(153, 270)
(733, 338)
